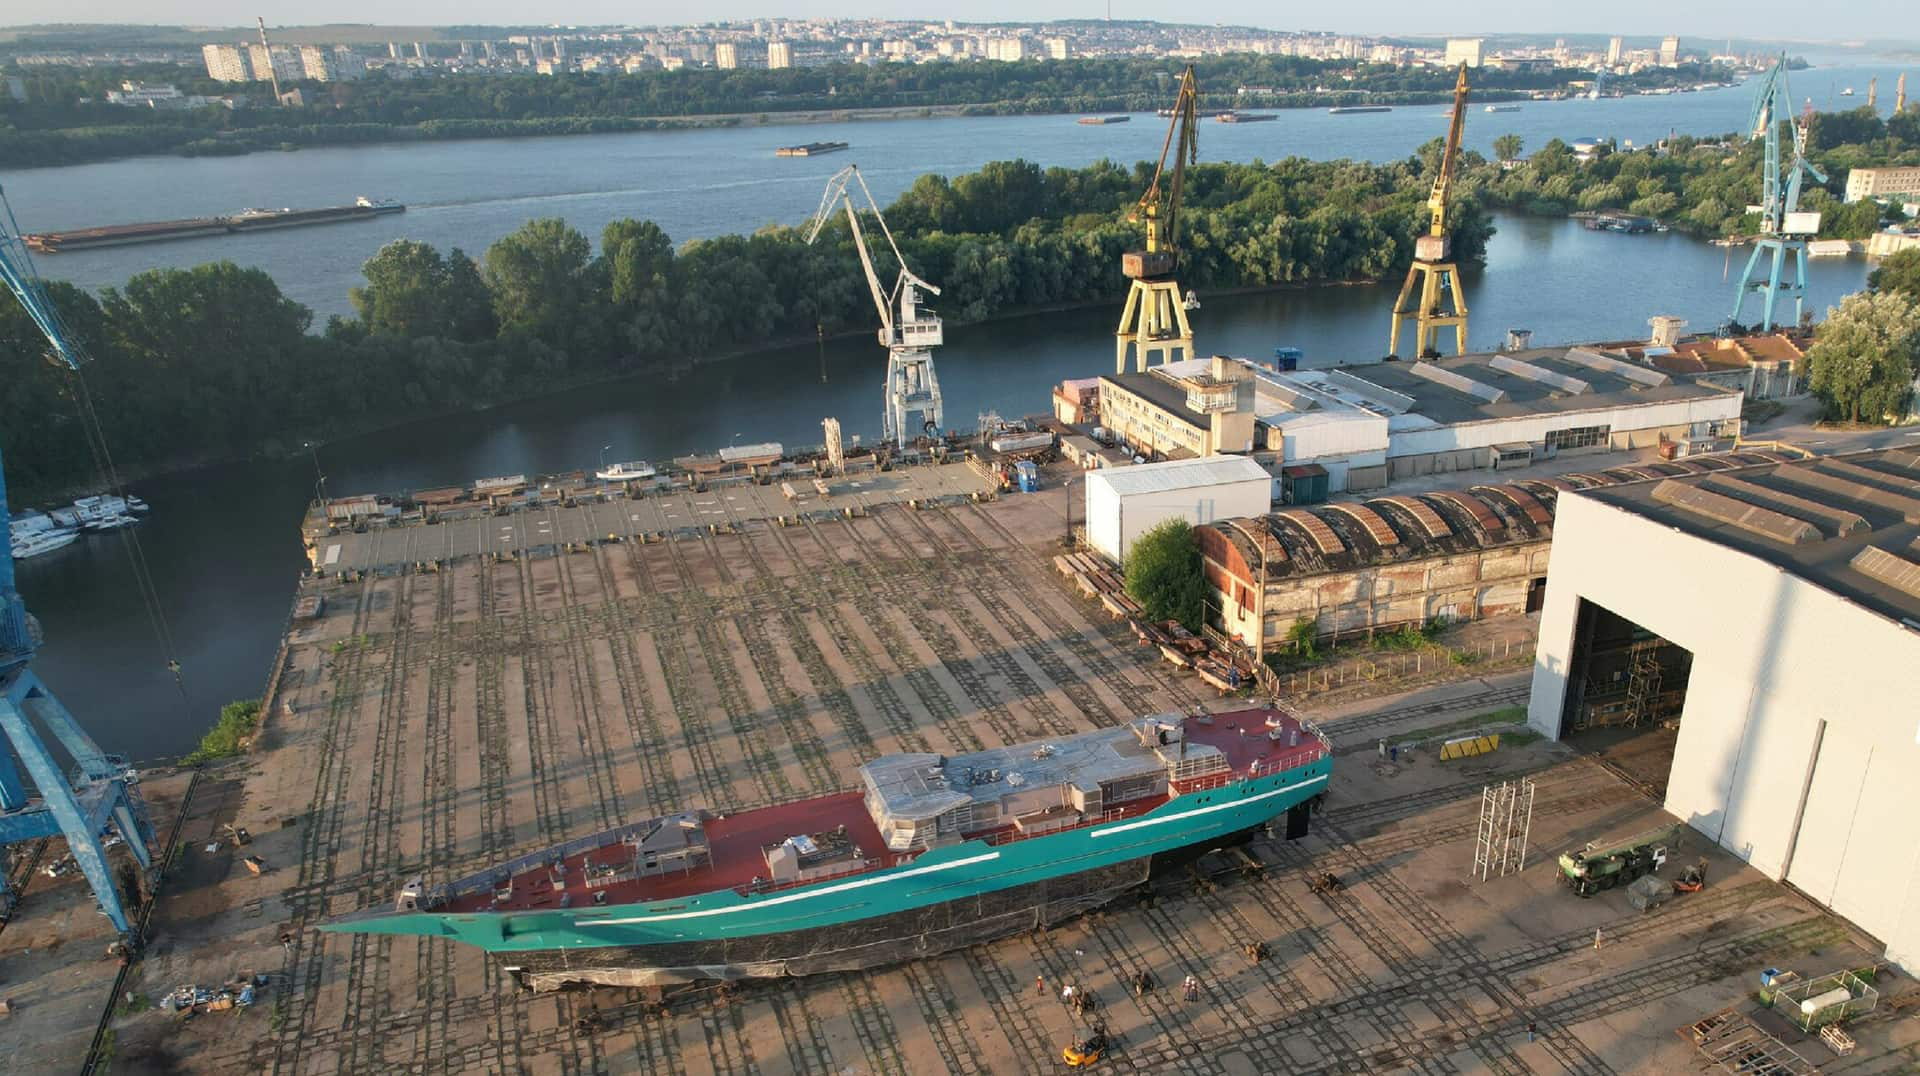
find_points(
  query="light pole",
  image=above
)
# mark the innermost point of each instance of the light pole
(319, 477)
(603, 459)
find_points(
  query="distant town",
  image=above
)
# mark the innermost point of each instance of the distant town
(802, 43)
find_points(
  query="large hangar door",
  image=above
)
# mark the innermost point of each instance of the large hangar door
(1850, 851)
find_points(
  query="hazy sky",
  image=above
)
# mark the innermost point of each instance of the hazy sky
(1859, 20)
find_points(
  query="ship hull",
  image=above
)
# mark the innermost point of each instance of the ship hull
(947, 898)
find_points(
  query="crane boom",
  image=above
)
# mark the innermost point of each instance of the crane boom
(911, 385)
(1183, 143)
(1450, 159)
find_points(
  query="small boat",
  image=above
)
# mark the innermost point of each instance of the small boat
(1503, 108)
(626, 472)
(34, 543)
(108, 523)
(1848, 92)
(137, 506)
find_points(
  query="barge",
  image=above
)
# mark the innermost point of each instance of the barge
(1246, 117)
(810, 149)
(247, 220)
(1102, 121)
(929, 854)
(1351, 110)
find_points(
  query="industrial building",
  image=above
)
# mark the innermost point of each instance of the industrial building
(1365, 426)
(1125, 502)
(1882, 183)
(1391, 561)
(1764, 366)
(1773, 613)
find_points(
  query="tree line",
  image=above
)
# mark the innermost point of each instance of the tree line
(213, 362)
(1704, 185)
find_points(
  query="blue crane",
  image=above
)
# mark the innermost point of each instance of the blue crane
(81, 804)
(1784, 228)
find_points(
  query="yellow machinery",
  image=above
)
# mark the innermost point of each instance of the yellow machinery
(1155, 319)
(1433, 274)
(1088, 1050)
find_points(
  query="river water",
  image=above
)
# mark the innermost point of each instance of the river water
(223, 541)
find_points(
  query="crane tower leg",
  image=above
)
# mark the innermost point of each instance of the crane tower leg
(1442, 304)
(1154, 322)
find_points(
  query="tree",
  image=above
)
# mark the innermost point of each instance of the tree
(539, 279)
(1163, 574)
(1507, 147)
(406, 291)
(1866, 355)
(1899, 272)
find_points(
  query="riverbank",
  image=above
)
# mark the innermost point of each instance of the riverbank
(62, 147)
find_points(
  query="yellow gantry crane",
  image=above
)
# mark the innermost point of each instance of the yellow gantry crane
(1433, 274)
(1154, 321)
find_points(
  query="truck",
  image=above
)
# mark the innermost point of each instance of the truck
(1606, 864)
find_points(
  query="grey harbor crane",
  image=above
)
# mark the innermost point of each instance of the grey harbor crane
(912, 390)
(98, 795)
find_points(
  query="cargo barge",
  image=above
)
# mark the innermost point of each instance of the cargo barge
(931, 853)
(1247, 117)
(1353, 110)
(247, 220)
(810, 149)
(1102, 121)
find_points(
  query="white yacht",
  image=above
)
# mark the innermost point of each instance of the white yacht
(34, 543)
(108, 523)
(626, 472)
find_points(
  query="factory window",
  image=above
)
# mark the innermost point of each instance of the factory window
(1579, 437)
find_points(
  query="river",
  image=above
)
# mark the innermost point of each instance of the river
(223, 541)
(697, 184)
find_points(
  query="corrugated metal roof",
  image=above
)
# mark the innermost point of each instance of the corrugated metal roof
(1180, 474)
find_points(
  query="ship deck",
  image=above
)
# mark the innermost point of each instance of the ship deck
(736, 844)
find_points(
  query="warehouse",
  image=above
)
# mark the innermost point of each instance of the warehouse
(1391, 561)
(1764, 621)
(1368, 425)
(1125, 502)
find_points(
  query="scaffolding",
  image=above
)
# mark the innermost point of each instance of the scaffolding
(1732, 1042)
(1506, 821)
(1643, 682)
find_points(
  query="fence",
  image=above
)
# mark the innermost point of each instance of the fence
(1412, 664)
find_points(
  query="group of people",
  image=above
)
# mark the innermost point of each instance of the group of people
(1081, 1000)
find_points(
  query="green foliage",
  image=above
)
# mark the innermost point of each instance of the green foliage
(1409, 636)
(1164, 576)
(1507, 147)
(1865, 356)
(229, 733)
(1898, 272)
(213, 362)
(1303, 639)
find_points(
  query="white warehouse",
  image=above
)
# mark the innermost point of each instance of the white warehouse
(1775, 611)
(1125, 502)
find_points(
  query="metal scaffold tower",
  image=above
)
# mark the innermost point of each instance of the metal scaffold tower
(1431, 297)
(911, 387)
(1506, 821)
(1784, 229)
(81, 805)
(1154, 321)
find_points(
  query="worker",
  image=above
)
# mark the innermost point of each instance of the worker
(1190, 988)
(1066, 993)
(1530, 1031)
(1596, 939)
(1040, 985)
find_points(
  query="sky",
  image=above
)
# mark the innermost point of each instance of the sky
(1855, 20)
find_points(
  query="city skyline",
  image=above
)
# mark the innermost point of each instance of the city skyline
(1857, 23)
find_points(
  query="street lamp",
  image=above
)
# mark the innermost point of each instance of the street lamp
(319, 477)
(603, 458)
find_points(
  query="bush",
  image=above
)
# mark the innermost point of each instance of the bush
(229, 735)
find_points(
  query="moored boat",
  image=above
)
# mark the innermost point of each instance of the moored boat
(931, 853)
(626, 472)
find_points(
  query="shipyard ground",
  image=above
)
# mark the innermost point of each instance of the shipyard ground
(434, 722)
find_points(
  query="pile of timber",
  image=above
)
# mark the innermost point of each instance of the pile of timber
(1097, 578)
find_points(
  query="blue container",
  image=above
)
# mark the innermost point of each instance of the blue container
(1288, 358)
